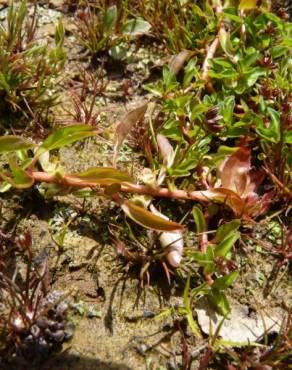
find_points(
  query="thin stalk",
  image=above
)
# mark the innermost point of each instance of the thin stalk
(68, 180)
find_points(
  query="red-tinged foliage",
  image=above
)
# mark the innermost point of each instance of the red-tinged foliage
(237, 175)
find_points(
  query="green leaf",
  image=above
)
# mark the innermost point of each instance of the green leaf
(199, 219)
(193, 325)
(202, 289)
(20, 179)
(4, 84)
(93, 312)
(65, 136)
(206, 260)
(228, 73)
(287, 137)
(278, 51)
(225, 230)
(271, 132)
(224, 38)
(190, 72)
(147, 219)
(225, 246)
(186, 292)
(227, 109)
(220, 301)
(189, 313)
(4, 186)
(209, 268)
(250, 58)
(118, 52)
(247, 4)
(11, 143)
(110, 17)
(136, 27)
(59, 34)
(100, 176)
(253, 75)
(48, 191)
(225, 282)
(198, 109)
(228, 13)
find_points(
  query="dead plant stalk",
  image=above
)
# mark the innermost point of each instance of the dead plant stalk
(211, 50)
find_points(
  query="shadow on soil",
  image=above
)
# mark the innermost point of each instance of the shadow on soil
(69, 362)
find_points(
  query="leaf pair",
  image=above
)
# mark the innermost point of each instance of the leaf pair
(18, 177)
(215, 293)
(225, 238)
(239, 182)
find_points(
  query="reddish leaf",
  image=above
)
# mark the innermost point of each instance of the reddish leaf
(166, 150)
(124, 127)
(234, 171)
(236, 174)
(177, 61)
(259, 205)
(226, 196)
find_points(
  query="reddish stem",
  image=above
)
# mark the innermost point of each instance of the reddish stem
(125, 188)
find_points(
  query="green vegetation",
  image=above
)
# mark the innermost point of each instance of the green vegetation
(28, 69)
(213, 135)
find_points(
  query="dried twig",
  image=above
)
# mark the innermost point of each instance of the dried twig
(211, 50)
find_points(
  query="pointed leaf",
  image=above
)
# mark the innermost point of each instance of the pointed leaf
(225, 246)
(177, 61)
(206, 260)
(224, 38)
(210, 267)
(100, 176)
(287, 137)
(192, 323)
(166, 150)
(223, 195)
(12, 143)
(126, 124)
(187, 292)
(65, 136)
(226, 281)
(110, 17)
(219, 299)
(147, 219)
(199, 219)
(136, 27)
(273, 131)
(19, 179)
(247, 4)
(225, 230)
(234, 172)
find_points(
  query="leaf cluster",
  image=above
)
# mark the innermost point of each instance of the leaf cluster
(103, 28)
(28, 68)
